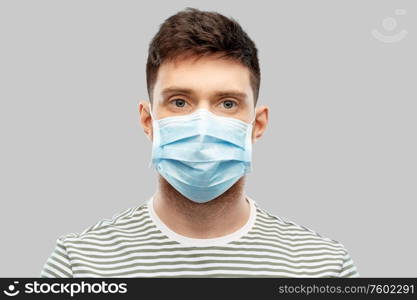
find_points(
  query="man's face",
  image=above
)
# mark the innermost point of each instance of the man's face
(219, 85)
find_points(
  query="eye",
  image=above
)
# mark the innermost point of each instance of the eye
(228, 104)
(179, 102)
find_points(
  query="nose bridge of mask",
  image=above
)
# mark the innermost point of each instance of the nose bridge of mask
(200, 111)
(228, 129)
(212, 114)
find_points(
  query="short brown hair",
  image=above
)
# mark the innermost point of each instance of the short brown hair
(192, 32)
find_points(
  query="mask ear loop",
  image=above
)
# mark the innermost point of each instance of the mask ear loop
(253, 120)
(150, 112)
(249, 145)
(154, 126)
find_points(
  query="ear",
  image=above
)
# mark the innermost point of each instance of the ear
(145, 119)
(260, 123)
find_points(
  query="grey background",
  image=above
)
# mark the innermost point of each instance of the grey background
(339, 155)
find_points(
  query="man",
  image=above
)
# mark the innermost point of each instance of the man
(203, 80)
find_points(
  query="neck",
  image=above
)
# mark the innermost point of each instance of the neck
(218, 217)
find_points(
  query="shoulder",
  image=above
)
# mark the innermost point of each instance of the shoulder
(123, 221)
(70, 248)
(288, 228)
(300, 242)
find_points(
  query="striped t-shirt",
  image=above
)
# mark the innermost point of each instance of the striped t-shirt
(136, 243)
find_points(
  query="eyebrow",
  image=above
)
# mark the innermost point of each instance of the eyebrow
(222, 93)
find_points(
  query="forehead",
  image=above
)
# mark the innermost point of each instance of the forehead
(204, 75)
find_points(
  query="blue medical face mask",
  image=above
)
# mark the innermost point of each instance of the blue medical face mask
(201, 154)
